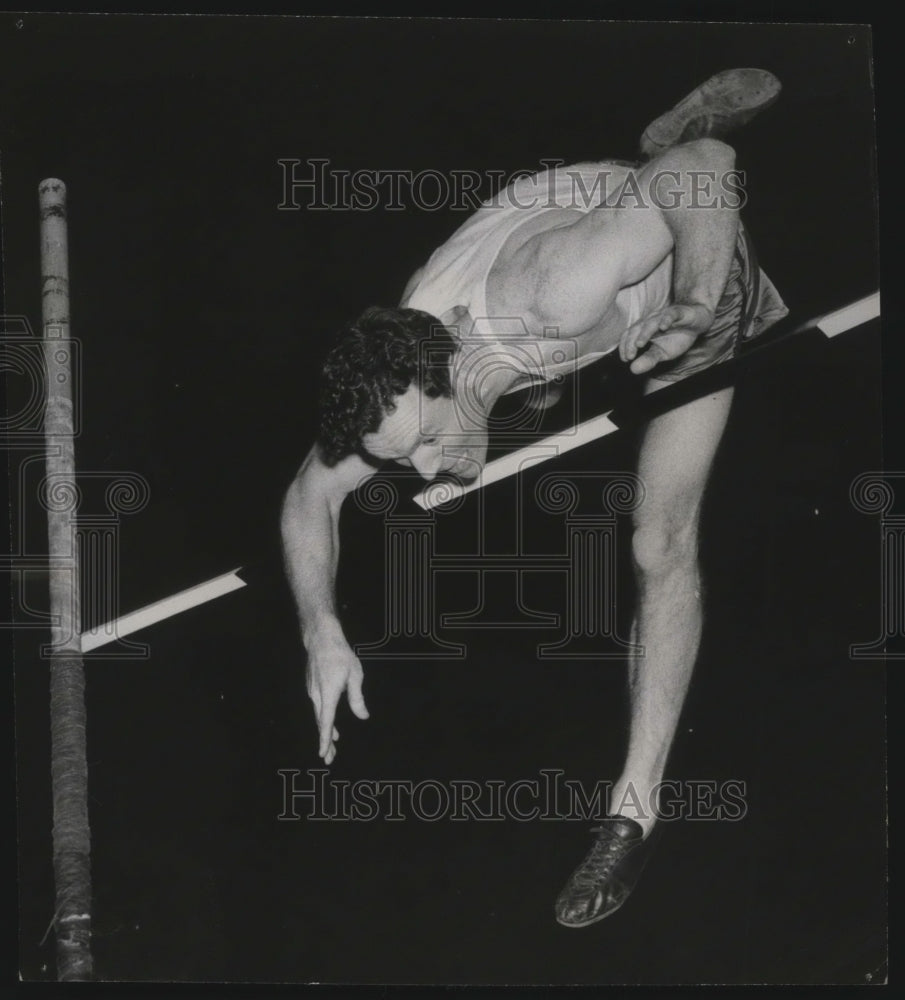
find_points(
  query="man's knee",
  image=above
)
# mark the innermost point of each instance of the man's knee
(664, 546)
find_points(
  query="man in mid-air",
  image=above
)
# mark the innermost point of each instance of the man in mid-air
(647, 259)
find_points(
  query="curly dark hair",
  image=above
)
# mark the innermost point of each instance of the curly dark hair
(374, 359)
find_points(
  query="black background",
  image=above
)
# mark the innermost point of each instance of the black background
(203, 311)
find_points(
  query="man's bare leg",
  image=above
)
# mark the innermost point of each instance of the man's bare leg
(674, 465)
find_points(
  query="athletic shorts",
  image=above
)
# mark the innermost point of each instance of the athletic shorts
(749, 306)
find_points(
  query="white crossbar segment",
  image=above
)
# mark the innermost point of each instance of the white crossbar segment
(436, 494)
(850, 316)
(152, 613)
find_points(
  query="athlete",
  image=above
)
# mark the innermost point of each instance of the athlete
(649, 260)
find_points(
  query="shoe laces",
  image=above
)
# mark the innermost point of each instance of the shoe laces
(607, 851)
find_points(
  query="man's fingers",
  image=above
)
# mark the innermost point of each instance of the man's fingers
(356, 698)
(639, 335)
(663, 336)
(325, 721)
(315, 696)
(314, 693)
(650, 359)
(628, 346)
(657, 325)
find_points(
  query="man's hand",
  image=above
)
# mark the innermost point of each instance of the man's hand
(664, 335)
(332, 669)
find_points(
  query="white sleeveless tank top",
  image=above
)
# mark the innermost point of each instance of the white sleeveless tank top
(455, 276)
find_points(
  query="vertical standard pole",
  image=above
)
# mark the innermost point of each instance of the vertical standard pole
(69, 768)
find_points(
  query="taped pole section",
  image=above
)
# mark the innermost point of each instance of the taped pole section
(69, 768)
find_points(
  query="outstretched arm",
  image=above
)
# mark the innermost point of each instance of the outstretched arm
(310, 532)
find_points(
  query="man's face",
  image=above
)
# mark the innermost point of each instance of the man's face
(431, 435)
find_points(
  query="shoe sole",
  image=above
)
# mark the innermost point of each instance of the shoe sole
(727, 100)
(593, 920)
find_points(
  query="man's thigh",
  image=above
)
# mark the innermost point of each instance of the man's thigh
(675, 459)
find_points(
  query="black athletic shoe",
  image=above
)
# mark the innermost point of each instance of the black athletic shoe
(603, 881)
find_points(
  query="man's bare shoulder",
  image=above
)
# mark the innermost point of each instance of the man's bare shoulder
(567, 272)
(521, 273)
(332, 480)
